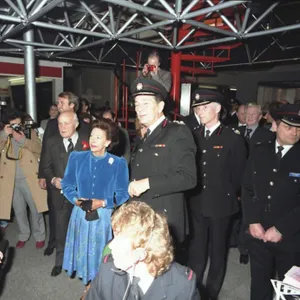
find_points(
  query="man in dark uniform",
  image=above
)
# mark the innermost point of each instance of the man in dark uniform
(271, 202)
(232, 118)
(221, 161)
(141, 263)
(192, 121)
(163, 163)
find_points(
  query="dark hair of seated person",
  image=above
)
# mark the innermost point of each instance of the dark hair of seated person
(110, 128)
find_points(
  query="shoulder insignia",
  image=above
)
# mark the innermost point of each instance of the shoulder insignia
(107, 258)
(164, 123)
(189, 273)
(236, 131)
(179, 122)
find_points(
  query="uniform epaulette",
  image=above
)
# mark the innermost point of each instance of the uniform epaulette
(179, 122)
(236, 131)
(189, 274)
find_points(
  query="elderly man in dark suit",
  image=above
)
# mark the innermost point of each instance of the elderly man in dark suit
(221, 159)
(252, 132)
(163, 163)
(271, 202)
(141, 263)
(66, 102)
(53, 167)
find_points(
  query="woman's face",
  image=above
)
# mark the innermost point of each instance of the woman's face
(98, 140)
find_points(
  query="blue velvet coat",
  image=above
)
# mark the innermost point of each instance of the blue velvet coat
(87, 176)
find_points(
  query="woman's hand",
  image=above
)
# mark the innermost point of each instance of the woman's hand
(97, 204)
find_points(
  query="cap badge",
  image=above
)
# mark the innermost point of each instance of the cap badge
(197, 96)
(139, 86)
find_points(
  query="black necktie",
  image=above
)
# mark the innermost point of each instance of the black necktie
(279, 152)
(147, 134)
(135, 291)
(70, 146)
(249, 130)
(207, 132)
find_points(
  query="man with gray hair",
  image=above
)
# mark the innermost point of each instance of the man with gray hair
(66, 102)
(252, 132)
(53, 167)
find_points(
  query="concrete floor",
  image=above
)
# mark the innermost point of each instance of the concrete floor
(29, 276)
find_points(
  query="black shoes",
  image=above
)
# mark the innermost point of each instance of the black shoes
(56, 271)
(48, 251)
(244, 259)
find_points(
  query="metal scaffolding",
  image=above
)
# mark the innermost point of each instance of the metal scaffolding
(85, 25)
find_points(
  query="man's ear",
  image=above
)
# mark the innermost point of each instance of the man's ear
(274, 126)
(218, 108)
(161, 106)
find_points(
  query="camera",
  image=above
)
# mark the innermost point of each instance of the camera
(25, 128)
(16, 127)
(151, 68)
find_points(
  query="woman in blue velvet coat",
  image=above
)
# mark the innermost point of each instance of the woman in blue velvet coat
(95, 182)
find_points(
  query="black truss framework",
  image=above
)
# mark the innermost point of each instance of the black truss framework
(152, 23)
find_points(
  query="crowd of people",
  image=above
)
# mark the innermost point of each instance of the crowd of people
(120, 219)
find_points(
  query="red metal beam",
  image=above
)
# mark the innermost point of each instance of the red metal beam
(195, 70)
(202, 58)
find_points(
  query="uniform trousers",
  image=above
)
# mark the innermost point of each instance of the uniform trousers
(21, 198)
(52, 220)
(264, 260)
(210, 238)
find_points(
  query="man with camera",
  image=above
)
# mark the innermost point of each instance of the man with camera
(18, 178)
(152, 70)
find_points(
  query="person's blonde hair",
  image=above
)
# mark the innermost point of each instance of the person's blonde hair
(148, 230)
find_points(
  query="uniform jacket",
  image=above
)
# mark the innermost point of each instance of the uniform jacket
(167, 158)
(83, 177)
(260, 135)
(29, 164)
(221, 162)
(231, 119)
(52, 130)
(177, 283)
(191, 122)
(56, 159)
(271, 192)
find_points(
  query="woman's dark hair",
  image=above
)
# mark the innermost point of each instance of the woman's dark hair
(110, 128)
(11, 114)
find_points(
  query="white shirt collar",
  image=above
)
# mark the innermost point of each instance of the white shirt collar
(144, 283)
(74, 138)
(198, 119)
(156, 123)
(213, 128)
(286, 148)
(240, 124)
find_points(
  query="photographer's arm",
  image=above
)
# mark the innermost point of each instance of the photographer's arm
(34, 144)
(3, 139)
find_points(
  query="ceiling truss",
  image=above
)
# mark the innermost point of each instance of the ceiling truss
(64, 27)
